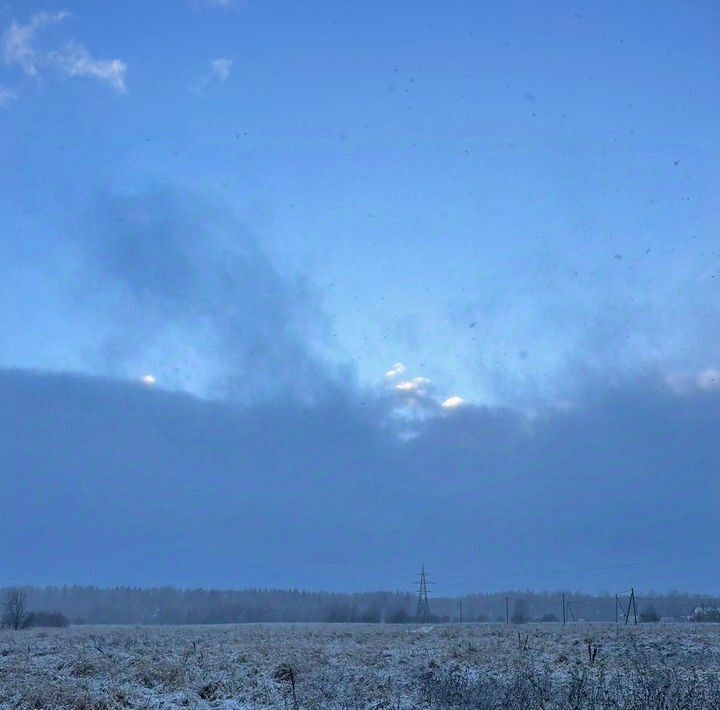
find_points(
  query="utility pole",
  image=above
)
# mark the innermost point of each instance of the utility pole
(563, 608)
(507, 611)
(423, 605)
(621, 607)
(461, 611)
(631, 605)
(616, 611)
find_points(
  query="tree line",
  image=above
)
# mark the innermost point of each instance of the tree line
(169, 605)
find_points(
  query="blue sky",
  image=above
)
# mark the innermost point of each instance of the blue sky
(508, 165)
(279, 201)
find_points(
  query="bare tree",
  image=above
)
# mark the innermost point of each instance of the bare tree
(14, 609)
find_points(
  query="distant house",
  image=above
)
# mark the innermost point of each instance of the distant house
(705, 613)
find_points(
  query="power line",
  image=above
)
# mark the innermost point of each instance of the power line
(622, 565)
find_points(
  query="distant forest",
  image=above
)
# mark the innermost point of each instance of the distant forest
(169, 605)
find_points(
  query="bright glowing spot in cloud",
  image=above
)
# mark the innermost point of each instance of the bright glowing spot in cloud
(453, 402)
(148, 380)
(415, 385)
(397, 369)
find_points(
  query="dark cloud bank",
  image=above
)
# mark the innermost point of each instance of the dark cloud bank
(174, 281)
(290, 475)
(109, 482)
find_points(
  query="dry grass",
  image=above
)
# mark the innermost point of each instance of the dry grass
(362, 666)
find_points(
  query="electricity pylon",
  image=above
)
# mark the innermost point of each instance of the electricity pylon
(423, 605)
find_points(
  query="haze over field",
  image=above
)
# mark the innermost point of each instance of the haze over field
(306, 295)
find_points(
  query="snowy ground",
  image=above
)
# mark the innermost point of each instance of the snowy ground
(363, 666)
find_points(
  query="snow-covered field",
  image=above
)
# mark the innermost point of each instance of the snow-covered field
(363, 666)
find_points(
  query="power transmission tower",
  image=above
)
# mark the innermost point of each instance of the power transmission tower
(423, 605)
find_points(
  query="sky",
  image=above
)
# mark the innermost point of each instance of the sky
(360, 286)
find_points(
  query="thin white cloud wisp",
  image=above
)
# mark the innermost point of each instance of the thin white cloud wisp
(75, 61)
(72, 60)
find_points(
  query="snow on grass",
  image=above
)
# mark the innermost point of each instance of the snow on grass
(362, 666)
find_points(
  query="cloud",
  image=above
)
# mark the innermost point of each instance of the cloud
(221, 5)
(397, 369)
(417, 395)
(6, 95)
(219, 73)
(72, 61)
(182, 290)
(75, 61)
(707, 378)
(417, 384)
(221, 68)
(148, 485)
(17, 41)
(409, 402)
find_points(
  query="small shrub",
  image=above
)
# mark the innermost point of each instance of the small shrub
(47, 619)
(649, 615)
(520, 613)
(400, 616)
